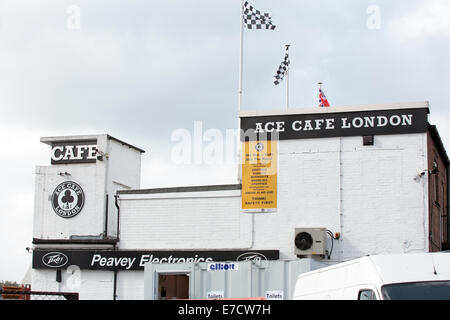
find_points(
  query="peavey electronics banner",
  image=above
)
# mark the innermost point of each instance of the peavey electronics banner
(343, 124)
(135, 260)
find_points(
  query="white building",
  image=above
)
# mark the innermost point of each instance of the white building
(374, 176)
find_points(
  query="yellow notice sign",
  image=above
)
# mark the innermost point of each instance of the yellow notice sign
(259, 175)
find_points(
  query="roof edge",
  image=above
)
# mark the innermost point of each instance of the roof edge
(226, 187)
(337, 109)
(432, 129)
(75, 138)
(77, 241)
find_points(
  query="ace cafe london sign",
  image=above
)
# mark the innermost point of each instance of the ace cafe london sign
(74, 152)
(339, 124)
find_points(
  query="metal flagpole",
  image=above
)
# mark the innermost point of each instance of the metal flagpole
(241, 56)
(320, 88)
(287, 89)
(241, 69)
(287, 78)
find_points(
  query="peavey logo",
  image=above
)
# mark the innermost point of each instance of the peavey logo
(55, 260)
(251, 256)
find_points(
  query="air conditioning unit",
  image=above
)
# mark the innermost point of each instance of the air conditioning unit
(310, 241)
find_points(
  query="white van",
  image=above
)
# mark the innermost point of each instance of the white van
(423, 276)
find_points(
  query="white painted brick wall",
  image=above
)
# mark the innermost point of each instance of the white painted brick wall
(211, 221)
(119, 171)
(89, 221)
(93, 285)
(124, 173)
(383, 208)
(130, 285)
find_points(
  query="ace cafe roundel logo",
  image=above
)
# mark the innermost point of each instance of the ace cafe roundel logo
(68, 199)
(259, 147)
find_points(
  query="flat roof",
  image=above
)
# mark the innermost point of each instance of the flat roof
(339, 109)
(75, 241)
(51, 140)
(225, 187)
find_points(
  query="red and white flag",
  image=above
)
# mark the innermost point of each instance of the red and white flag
(323, 99)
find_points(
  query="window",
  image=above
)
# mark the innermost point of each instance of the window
(417, 291)
(435, 173)
(367, 294)
(173, 286)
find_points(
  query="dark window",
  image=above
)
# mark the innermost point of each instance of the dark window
(435, 173)
(417, 291)
(368, 140)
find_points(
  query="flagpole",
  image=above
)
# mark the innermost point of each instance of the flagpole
(287, 79)
(287, 89)
(241, 56)
(241, 72)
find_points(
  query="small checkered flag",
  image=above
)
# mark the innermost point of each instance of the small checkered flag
(254, 19)
(284, 67)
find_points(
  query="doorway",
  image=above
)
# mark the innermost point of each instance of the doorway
(173, 286)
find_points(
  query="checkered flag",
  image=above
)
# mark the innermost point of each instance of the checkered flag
(284, 67)
(254, 19)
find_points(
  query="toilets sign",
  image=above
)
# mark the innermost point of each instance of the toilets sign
(74, 152)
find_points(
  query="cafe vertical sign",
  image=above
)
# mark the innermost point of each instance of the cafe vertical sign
(259, 176)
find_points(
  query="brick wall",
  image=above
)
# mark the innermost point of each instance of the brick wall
(438, 193)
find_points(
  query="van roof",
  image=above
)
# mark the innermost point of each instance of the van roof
(398, 268)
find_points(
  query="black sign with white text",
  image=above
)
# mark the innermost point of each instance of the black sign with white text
(74, 152)
(67, 199)
(342, 124)
(135, 260)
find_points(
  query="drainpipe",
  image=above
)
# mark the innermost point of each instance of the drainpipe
(105, 232)
(115, 281)
(118, 214)
(116, 202)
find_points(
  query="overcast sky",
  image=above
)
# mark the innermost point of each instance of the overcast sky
(139, 70)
